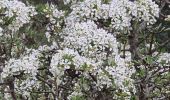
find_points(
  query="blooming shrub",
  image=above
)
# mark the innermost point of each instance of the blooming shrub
(82, 50)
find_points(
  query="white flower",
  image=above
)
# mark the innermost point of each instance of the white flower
(58, 14)
(119, 12)
(27, 64)
(21, 13)
(89, 40)
(164, 58)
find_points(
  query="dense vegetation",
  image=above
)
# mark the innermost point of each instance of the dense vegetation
(84, 50)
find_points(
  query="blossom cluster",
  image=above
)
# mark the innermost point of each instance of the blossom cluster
(120, 12)
(68, 59)
(89, 40)
(164, 59)
(56, 18)
(82, 57)
(26, 67)
(89, 49)
(18, 15)
(86, 50)
(26, 64)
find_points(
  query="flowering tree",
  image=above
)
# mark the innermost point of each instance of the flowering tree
(83, 50)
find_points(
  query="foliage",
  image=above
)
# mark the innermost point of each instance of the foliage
(83, 50)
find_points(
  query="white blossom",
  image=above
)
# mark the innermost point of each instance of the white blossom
(120, 12)
(82, 41)
(89, 40)
(27, 64)
(21, 13)
(164, 58)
